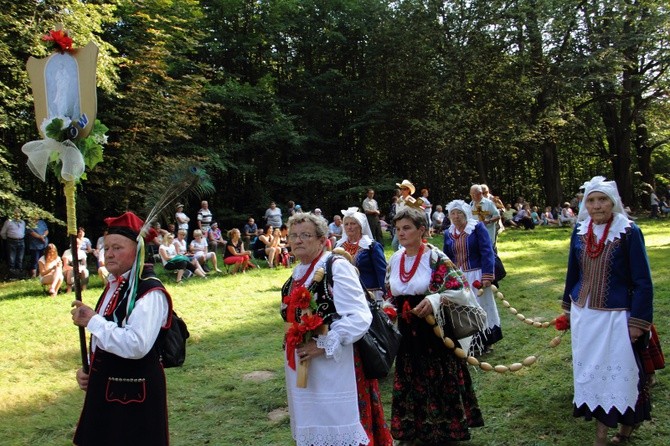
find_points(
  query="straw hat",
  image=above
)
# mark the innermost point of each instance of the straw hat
(407, 184)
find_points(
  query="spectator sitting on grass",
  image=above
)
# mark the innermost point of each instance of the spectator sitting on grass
(51, 269)
(235, 254)
(535, 216)
(69, 269)
(199, 248)
(215, 238)
(567, 215)
(548, 218)
(173, 261)
(508, 216)
(250, 231)
(665, 208)
(523, 218)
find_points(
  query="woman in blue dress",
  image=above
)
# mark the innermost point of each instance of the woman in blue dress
(367, 254)
(609, 300)
(468, 244)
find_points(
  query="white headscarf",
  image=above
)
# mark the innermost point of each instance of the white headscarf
(366, 232)
(609, 188)
(462, 206)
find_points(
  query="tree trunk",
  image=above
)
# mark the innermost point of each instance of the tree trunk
(544, 100)
(551, 181)
(619, 142)
(643, 151)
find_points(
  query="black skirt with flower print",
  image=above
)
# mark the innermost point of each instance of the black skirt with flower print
(433, 397)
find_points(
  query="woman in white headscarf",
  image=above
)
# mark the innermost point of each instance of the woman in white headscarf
(367, 254)
(609, 300)
(468, 244)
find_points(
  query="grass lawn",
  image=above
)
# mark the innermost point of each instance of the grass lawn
(217, 399)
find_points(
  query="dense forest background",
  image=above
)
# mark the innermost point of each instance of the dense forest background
(315, 100)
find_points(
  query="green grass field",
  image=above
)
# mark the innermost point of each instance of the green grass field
(216, 399)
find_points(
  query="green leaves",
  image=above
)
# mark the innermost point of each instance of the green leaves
(311, 99)
(92, 146)
(92, 151)
(56, 130)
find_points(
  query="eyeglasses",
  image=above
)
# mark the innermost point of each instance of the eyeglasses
(304, 236)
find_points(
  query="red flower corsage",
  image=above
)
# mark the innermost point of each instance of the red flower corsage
(301, 297)
(562, 323)
(391, 313)
(311, 322)
(300, 331)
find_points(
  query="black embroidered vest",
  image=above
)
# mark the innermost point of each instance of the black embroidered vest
(325, 306)
(148, 282)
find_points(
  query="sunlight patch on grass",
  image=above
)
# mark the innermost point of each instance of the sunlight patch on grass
(236, 329)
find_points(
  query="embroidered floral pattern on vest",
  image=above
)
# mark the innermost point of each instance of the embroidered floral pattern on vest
(595, 272)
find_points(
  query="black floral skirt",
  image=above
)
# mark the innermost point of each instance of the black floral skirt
(433, 397)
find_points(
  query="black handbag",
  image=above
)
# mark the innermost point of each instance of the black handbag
(498, 268)
(171, 343)
(379, 346)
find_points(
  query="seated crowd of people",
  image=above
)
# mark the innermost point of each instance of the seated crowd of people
(522, 214)
(242, 248)
(53, 269)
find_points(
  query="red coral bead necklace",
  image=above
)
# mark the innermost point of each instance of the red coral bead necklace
(594, 247)
(351, 248)
(406, 276)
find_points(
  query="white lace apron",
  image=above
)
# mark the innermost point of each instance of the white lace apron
(604, 367)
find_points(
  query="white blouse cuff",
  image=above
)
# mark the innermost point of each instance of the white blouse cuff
(331, 344)
(96, 323)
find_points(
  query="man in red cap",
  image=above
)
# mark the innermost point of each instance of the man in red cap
(126, 395)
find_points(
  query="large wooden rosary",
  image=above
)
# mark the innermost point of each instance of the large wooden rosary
(500, 368)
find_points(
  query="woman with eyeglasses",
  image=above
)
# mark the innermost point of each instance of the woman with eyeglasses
(325, 409)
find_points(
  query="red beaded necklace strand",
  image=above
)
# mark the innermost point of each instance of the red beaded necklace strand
(594, 247)
(351, 248)
(111, 305)
(406, 276)
(300, 282)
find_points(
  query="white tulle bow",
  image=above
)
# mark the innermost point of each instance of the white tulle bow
(39, 153)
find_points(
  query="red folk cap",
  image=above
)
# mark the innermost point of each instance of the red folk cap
(128, 225)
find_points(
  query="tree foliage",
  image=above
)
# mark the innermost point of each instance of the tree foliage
(315, 100)
(23, 25)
